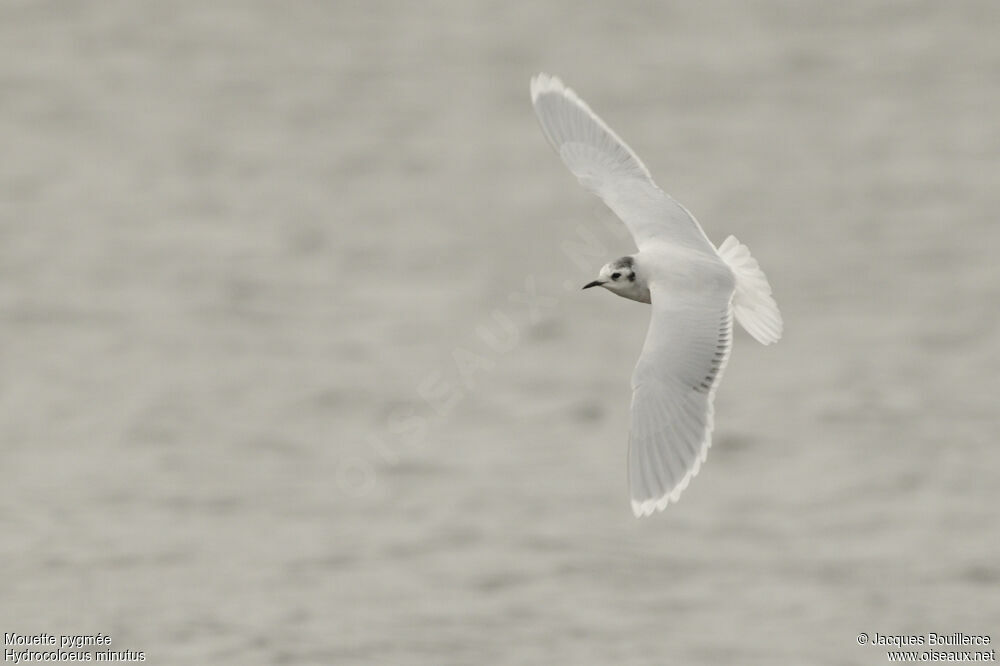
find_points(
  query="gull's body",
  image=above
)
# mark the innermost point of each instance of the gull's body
(694, 290)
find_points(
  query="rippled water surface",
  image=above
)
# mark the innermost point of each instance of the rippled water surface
(295, 368)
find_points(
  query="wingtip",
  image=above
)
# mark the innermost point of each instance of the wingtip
(543, 83)
(641, 509)
(774, 338)
(651, 506)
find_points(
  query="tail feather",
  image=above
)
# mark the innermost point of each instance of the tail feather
(753, 304)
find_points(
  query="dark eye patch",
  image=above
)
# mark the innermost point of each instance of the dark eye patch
(631, 277)
(615, 276)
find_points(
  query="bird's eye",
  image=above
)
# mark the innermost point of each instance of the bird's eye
(615, 276)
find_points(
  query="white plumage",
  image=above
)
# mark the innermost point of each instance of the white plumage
(694, 289)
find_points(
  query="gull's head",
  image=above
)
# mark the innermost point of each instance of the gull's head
(622, 277)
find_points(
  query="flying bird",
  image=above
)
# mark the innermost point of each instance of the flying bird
(694, 289)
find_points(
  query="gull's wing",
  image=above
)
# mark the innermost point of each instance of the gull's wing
(605, 165)
(673, 385)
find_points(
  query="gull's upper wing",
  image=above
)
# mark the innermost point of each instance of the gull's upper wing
(605, 165)
(673, 385)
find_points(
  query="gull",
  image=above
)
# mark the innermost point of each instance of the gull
(694, 290)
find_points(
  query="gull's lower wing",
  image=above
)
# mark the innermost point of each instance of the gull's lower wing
(605, 165)
(686, 350)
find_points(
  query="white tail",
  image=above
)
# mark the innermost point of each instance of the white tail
(753, 305)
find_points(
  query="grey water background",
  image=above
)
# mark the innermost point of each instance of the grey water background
(252, 255)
